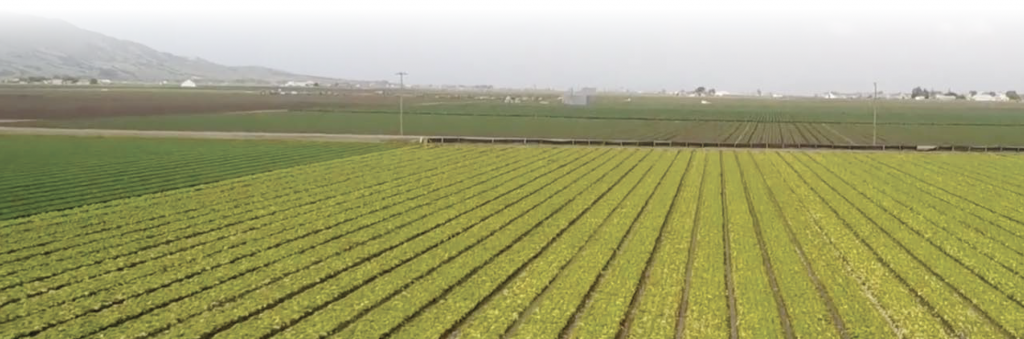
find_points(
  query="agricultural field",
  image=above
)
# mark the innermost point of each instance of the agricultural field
(24, 102)
(736, 121)
(42, 174)
(539, 242)
(759, 130)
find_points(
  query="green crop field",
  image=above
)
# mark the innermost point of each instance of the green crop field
(42, 174)
(726, 120)
(537, 242)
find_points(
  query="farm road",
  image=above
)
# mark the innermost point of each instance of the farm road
(206, 135)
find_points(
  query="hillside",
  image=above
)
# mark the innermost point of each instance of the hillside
(31, 46)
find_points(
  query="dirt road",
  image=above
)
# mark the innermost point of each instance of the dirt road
(207, 135)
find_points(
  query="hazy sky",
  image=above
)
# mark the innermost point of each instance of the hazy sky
(738, 45)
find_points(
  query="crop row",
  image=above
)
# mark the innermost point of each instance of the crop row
(467, 242)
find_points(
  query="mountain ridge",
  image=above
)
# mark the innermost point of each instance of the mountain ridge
(33, 46)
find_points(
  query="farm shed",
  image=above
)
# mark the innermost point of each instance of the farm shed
(188, 84)
(581, 98)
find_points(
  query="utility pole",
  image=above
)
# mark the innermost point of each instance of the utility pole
(874, 121)
(401, 103)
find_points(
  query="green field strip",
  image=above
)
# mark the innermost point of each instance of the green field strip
(70, 185)
(935, 233)
(672, 194)
(521, 202)
(101, 284)
(1009, 186)
(603, 307)
(957, 196)
(143, 235)
(134, 210)
(991, 172)
(705, 308)
(616, 292)
(952, 222)
(758, 311)
(548, 233)
(730, 266)
(56, 200)
(44, 286)
(900, 298)
(26, 167)
(89, 215)
(660, 295)
(495, 312)
(842, 293)
(232, 309)
(974, 277)
(213, 218)
(127, 186)
(801, 315)
(983, 226)
(141, 271)
(93, 191)
(223, 318)
(873, 226)
(46, 175)
(366, 191)
(790, 275)
(54, 175)
(466, 307)
(977, 192)
(400, 307)
(553, 308)
(293, 308)
(122, 312)
(174, 205)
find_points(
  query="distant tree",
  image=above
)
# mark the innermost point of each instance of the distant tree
(1013, 95)
(700, 90)
(973, 93)
(33, 80)
(758, 92)
(711, 92)
(919, 92)
(93, 81)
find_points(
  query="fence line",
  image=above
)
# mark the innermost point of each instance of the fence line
(695, 144)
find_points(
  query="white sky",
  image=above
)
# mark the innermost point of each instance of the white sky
(736, 45)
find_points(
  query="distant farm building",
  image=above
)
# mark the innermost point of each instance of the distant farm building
(300, 84)
(987, 97)
(188, 84)
(582, 98)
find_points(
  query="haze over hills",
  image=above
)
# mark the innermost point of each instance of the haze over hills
(32, 46)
